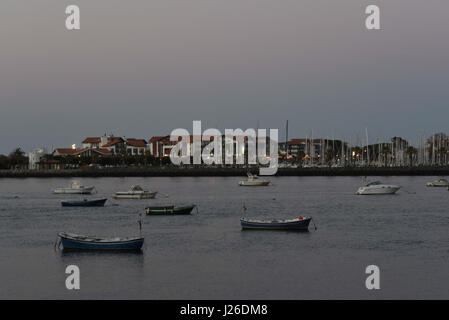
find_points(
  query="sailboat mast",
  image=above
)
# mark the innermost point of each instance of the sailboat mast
(286, 140)
(367, 146)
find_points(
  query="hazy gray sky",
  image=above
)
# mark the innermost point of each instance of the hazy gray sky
(144, 67)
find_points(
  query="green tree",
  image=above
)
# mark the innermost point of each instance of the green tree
(441, 152)
(385, 152)
(329, 156)
(17, 158)
(411, 152)
(355, 153)
(300, 157)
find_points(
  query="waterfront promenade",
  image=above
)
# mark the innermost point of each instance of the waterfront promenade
(169, 171)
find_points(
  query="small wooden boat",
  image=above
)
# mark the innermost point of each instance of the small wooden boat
(85, 203)
(253, 181)
(136, 192)
(75, 188)
(79, 242)
(169, 210)
(301, 223)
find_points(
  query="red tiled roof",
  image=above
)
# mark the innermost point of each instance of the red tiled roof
(303, 141)
(158, 138)
(102, 151)
(92, 140)
(79, 151)
(65, 150)
(68, 151)
(114, 141)
(296, 141)
(136, 142)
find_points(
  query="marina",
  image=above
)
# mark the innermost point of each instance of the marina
(188, 251)
(218, 159)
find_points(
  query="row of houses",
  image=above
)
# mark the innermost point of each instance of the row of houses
(110, 145)
(104, 146)
(307, 150)
(157, 146)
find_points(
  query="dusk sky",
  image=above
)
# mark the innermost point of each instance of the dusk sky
(144, 67)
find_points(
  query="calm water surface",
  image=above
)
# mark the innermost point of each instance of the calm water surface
(207, 256)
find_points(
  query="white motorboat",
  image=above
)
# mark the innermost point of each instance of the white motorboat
(75, 188)
(136, 192)
(253, 181)
(377, 187)
(438, 183)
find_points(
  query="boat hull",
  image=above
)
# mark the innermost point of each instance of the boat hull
(89, 203)
(298, 225)
(169, 210)
(126, 245)
(437, 185)
(254, 183)
(86, 190)
(378, 191)
(148, 195)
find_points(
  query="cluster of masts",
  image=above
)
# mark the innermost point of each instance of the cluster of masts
(398, 152)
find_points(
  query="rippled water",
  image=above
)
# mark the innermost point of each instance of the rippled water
(207, 256)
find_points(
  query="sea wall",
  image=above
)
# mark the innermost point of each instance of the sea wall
(199, 172)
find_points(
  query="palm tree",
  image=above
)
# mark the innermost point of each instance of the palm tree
(411, 151)
(356, 151)
(18, 158)
(385, 152)
(329, 156)
(300, 157)
(442, 155)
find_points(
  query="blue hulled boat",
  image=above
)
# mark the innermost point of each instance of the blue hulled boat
(301, 223)
(85, 203)
(79, 242)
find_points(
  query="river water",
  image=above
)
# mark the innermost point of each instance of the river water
(208, 256)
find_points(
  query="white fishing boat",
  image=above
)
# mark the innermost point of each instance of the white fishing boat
(253, 181)
(438, 183)
(136, 192)
(377, 187)
(75, 188)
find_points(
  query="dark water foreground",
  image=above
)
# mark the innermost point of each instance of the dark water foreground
(225, 172)
(207, 256)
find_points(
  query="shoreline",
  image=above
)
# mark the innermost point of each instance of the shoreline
(223, 172)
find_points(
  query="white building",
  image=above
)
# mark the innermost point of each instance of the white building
(35, 157)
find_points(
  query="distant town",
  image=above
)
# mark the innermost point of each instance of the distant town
(109, 151)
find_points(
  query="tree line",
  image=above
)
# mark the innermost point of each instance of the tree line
(16, 159)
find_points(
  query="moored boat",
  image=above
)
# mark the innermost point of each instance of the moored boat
(169, 210)
(438, 183)
(85, 203)
(71, 241)
(136, 192)
(253, 181)
(376, 187)
(298, 224)
(75, 188)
